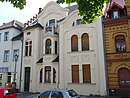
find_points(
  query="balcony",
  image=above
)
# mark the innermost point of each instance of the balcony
(51, 30)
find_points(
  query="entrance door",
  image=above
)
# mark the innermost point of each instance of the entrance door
(124, 78)
(27, 79)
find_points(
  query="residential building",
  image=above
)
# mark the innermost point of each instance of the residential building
(10, 46)
(117, 39)
(61, 52)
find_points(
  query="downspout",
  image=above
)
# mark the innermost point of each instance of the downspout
(104, 46)
(58, 62)
(21, 64)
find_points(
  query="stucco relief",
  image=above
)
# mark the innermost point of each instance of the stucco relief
(47, 59)
(74, 59)
(27, 61)
(86, 58)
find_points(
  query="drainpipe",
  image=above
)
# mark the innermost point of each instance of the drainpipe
(104, 46)
(58, 62)
(21, 64)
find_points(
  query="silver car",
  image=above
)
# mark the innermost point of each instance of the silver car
(59, 93)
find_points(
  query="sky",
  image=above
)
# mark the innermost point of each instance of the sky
(9, 13)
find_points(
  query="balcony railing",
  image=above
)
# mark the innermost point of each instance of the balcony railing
(51, 29)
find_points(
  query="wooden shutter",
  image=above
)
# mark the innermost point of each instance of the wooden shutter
(86, 73)
(75, 73)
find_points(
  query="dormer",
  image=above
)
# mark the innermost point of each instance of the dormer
(116, 11)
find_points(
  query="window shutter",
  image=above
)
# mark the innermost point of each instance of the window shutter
(75, 73)
(86, 73)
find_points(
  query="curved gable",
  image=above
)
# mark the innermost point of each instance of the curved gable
(52, 7)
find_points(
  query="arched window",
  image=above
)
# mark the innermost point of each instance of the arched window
(74, 43)
(48, 74)
(124, 77)
(48, 47)
(28, 48)
(120, 43)
(85, 42)
(54, 75)
(41, 75)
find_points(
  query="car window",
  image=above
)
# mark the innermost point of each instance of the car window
(9, 91)
(45, 94)
(72, 93)
(5, 92)
(56, 94)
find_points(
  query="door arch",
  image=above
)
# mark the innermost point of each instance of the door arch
(124, 78)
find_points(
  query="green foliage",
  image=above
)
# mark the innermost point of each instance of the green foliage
(16, 3)
(89, 9)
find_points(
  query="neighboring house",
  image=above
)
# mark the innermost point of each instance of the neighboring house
(60, 52)
(10, 45)
(117, 38)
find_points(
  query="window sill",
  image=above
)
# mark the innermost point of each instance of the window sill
(83, 83)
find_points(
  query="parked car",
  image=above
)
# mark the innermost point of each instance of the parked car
(7, 93)
(58, 93)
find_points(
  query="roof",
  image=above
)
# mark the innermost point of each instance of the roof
(37, 25)
(16, 24)
(56, 59)
(72, 8)
(18, 37)
(108, 6)
(40, 60)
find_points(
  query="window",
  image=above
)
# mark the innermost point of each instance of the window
(16, 52)
(41, 75)
(120, 43)
(54, 75)
(115, 15)
(0, 37)
(74, 43)
(86, 73)
(6, 55)
(73, 23)
(48, 47)
(78, 21)
(6, 36)
(45, 94)
(56, 94)
(28, 33)
(55, 47)
(52, 22)
(9, 77)
(75, 73)
(48, 74)
(1, 79)
(28, 48)
(85, 42)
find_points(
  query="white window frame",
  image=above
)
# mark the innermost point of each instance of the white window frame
(6, 56)
(6, 36)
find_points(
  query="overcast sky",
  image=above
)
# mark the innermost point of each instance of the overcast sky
(9, 13)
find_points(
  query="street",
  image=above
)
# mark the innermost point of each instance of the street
(27, 95)
(33, 95)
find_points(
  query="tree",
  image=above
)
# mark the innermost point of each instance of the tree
(16, 3)
(89, 9)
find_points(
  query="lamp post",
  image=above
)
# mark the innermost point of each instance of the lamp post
(16, 59)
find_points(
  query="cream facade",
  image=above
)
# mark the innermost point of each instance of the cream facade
(60, 52)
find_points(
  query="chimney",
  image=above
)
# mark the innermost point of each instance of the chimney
(40, 10)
